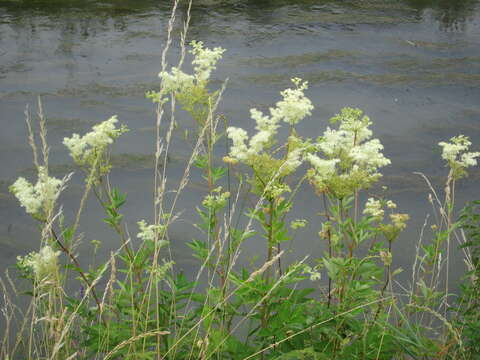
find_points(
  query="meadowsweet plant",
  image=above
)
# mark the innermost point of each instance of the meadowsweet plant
(43, 266)
(90, 149)
(39, 199)
(348, 159)
(346, 304)
(272, 163)
(457, 155)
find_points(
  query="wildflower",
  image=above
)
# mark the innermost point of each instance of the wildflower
(294, 107)
(238, 150)
(324, 168)
(374, 208)
(204, 59)
(455, 153)
(84, 149)
(274, 190)
(391, 205)
(43, 265)
(351, 159)
(38, 197)
(369, 155)
(314, 274)
(399, 220)
(175, 80)
(149, 232)
(216, 202)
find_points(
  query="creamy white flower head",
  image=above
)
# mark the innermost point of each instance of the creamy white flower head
(264, 122)
(369, 155)
(94, 142)
(239, 149)
(204, 59)
(175, 80)
(38, 197)
(352, 121)
(455, 152)
(391, 205)
(294, 159)
(335, 142)
(152, 233)
(324, 168)
(24, 191)
(469, 159)
(216, 201)
(358, 156)
(374, 208)
(295, 106)
(43, 264)
(258, 142)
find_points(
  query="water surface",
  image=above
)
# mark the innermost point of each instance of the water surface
(413, 66)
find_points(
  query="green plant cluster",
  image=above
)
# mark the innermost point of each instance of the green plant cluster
(344, 305)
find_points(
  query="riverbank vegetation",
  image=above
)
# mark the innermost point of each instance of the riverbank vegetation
(347, 304)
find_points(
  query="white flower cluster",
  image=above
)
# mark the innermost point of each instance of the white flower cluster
(391, 205)
(204, 59)
(325, 169)
(41, 196)
(315, 275)
(455, 152)
(83, 148)
(374, 208)
(44, 264)
(293, 108)
(204, 63)
(352, 140)
(147, 232)
(216, 202)
(175, 80)
(348, 150)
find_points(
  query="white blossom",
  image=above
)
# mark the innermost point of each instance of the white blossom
(175, 80)
(369, 155)
(293, 108)
(239, 149)
(147, 232)
(324, 168)
(349, 154)
(204, 59)
(333, 142)
(391, 205)
(102, 134)
(216, 201)
(374, 208)
(43, 264)
(152, 233)
(455, 152)
(294, 159)
(41, 196)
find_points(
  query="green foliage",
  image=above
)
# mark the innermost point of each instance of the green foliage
(139, 305)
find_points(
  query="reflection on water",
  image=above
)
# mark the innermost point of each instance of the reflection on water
(413, 65)
(452, 15)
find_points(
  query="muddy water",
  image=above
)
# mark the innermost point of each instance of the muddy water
(413, 66)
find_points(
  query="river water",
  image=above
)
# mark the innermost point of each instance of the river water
(413, 66)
